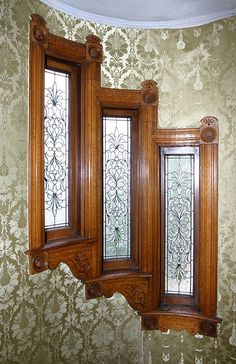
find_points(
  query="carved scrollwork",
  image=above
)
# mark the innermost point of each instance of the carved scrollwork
(39, 30)
(209, 130)
(82, 263)
(149, 92)
(136, 294)
(93, 48)
(78, 260)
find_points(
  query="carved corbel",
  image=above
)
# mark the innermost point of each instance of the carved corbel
(39, 31)
(209, 132)
(135, 290)
(77, 258)
(149, 92)
(93, 48)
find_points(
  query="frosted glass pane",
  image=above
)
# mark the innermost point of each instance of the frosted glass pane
(179, 223)
(56, 155)
(116, 187)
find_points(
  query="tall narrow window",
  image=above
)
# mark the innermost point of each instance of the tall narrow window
(56, 148)
(120, 188)
(116, 187)
(180, 193)
(61, 148)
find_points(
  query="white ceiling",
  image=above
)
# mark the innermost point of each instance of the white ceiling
(147, 13)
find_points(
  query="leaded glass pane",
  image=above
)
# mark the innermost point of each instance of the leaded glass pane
(116, 187)
(56, 154)
(179, 223)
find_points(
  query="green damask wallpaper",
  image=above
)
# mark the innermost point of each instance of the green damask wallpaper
(45, 318)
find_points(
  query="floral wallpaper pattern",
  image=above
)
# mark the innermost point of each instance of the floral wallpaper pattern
(45, 318)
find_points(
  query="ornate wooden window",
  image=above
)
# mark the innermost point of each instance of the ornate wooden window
(129, 207)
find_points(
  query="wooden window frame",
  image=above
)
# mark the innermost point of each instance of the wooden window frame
(168, 299)
(73, 228)
(139, 279)
(132, 262)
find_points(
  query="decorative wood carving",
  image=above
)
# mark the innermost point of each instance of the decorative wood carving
(93, 48)
(39, 262)
(192, 322)
(77, 257)
(149, 92)
(135, 288)
(209, 130)
(39, 30)
(149, 322)
(136, 294)
(93, 290)
(209, 328)
(80, 245)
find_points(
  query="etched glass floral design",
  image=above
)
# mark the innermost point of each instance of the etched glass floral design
(179, 223)
(56, 153)
(116, 187)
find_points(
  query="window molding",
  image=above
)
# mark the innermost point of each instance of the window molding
(82, 247)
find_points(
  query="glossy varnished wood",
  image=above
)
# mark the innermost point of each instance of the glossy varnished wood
(80, 245)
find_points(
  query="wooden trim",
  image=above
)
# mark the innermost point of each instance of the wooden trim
(72, 230)
(35, 171)
(65, 49)
(208, 228)
(62, 54)
(176, 137)
(132, 261)
(194, 323)
(170, 298)
(80, 247)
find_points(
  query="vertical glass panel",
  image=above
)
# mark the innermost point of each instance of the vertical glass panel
(179, 223)
(116, 187)
(56, 154)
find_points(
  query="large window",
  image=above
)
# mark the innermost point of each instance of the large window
(129, 207)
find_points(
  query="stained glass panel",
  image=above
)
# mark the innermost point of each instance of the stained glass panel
(179, 224)
(116, 187)
(56, 149)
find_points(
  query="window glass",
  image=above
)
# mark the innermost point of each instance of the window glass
(179, 224)
(56, 149)
(116, 187)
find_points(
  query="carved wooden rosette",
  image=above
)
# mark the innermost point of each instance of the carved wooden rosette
(149, 92)
(39, 31)
(38, 262)
(93, 48)
(209, 131)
